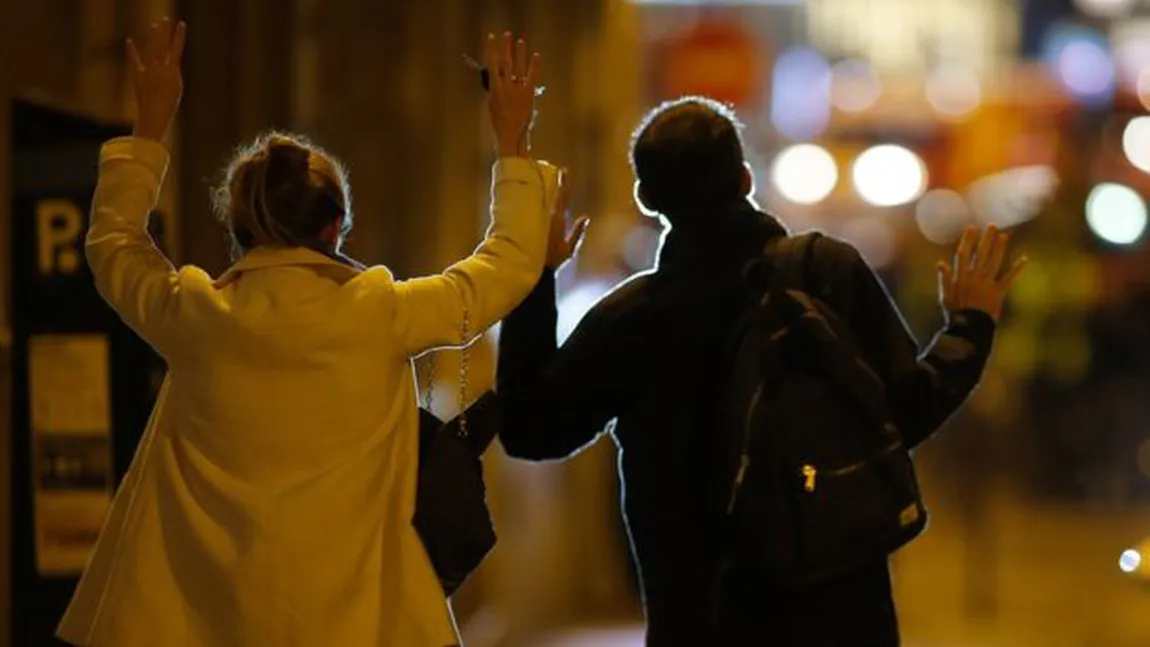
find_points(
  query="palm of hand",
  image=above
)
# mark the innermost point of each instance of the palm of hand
(561, 243)
(513, 81)
(974, 281)
(156, 75)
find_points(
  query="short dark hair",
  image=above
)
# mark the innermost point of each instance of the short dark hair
(687, 155)
(282, 189)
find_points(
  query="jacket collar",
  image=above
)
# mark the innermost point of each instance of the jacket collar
(729, 237)
(266, 256)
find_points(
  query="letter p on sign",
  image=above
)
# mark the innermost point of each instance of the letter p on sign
(58, 226)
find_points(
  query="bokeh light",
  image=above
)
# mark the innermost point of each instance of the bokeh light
(804, 173)
(1014, 196)
(1081, 60)
(889, 175)
(1086, 68)
(941, 215)
(1136, 143)
(954, 90)
(854, 85)
(1130, 560)
(1116, 213)
(1131, 47)
(1144, 88)
(800, 96)
(1104, 8)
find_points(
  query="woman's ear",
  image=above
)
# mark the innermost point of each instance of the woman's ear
(641, 200)
(333, 233)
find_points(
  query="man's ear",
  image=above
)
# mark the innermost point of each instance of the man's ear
(747, 185)
(641, 200)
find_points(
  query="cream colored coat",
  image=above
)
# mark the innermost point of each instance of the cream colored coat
(270, 501)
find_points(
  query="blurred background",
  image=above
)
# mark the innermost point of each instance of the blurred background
(889, 123)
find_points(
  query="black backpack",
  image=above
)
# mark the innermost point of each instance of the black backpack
(819, 481)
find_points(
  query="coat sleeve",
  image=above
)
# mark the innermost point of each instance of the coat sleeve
(131, 273)
(924, 387)
(556, 400)
(429, 312)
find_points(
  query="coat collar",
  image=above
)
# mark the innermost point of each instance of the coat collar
(266, 256)
(729, 237)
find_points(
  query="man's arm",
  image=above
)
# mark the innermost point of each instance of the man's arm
(923, 388)
(555, 400)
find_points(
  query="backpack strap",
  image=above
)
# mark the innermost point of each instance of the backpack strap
(790, 258)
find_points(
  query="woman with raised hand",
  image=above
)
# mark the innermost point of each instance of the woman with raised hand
(270, 500)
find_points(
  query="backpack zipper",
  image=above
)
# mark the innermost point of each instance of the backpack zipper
(810, 472)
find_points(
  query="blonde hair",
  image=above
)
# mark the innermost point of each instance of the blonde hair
(282, 189)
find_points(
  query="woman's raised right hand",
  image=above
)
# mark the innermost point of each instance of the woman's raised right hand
(513, 79)
(157, 78)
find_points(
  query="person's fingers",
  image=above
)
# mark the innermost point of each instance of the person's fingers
(962, 256)
(563, 195)
(491, 60)
(997, 255)
(985, 247)
(176, 51)
(533, 70)
(506, 66)
(151, 43)
(134, 60)
(165, 37)
(157, 46)
(520, 60)
(576, 236)
(1014, 272)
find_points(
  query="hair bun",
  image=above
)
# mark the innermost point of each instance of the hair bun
(287, 161)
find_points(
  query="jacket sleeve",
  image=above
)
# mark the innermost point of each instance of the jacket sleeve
(923, 388)
(555, 400)
(131, 273)
(428, 312)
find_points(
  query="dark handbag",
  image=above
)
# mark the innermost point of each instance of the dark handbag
(451, 514)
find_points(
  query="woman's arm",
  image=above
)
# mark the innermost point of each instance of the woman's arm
(429, 311)
(131, 272)
(454, 307)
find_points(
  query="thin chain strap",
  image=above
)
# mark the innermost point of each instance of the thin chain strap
(428, 397)
(463, 375)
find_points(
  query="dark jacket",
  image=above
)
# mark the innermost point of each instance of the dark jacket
(650, 356)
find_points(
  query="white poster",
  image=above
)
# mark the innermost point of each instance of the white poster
(68, 380)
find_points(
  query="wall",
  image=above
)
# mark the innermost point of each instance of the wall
(69, 56)
(41, 36)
